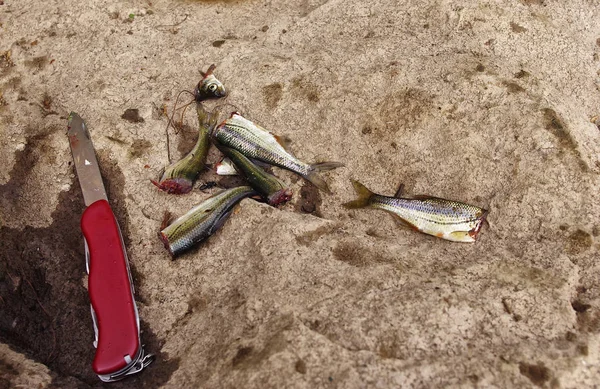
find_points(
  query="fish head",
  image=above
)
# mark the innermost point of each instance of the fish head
(209, 87)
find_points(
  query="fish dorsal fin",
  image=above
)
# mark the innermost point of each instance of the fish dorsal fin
(422, 197)
(283, 141)
(400, 191)
(209, 71)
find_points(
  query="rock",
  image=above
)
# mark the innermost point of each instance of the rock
(489, 104)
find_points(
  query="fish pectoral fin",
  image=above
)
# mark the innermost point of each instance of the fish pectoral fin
(461, 236)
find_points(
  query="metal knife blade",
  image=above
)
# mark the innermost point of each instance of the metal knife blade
(86, 164)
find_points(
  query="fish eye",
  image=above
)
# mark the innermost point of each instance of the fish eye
(212, 87)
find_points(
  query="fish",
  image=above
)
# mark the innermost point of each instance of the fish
(446, 219)
(269, 186)
(209, 86)
(202, 221)
(255, 142)
(225, 167)
(179, 177)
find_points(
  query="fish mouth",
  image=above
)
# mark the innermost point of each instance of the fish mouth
(478, 224)
(221, 92)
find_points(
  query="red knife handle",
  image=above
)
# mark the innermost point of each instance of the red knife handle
(109, 287)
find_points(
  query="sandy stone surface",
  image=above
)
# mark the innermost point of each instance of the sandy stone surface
(492, 103)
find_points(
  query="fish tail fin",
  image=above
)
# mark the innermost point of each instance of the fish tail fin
(363, 199)
(207, 119)
(314, 178)
(317, 181)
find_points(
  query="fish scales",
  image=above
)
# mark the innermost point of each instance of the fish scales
(434, 210)
(264, 148)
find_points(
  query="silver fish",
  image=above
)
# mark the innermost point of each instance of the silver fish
(446, 219)
(257, 143)
(203, 220)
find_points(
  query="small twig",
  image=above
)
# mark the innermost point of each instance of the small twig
(183, 113)
(47, 314)
(172, 25)
(48, 113)
(218, 107)
(11, 278)
(53, 340)
(169, 123)
(37, 297)
(219, 111)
